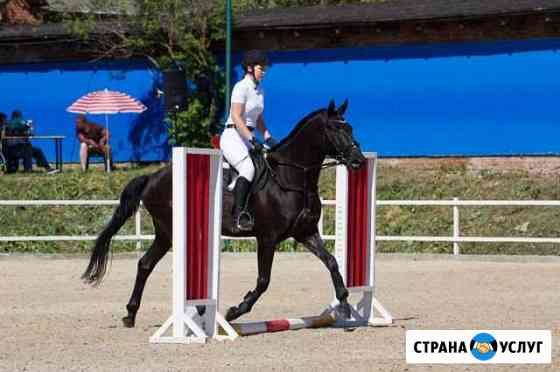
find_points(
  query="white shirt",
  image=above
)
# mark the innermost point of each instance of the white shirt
(252, 96)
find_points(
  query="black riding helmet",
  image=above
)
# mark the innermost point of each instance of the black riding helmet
(253, 58)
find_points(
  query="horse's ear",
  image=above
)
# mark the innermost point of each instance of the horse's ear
(343, 107)
(331, 109)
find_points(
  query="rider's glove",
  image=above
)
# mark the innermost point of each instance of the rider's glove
(256, 144)
(270, 142)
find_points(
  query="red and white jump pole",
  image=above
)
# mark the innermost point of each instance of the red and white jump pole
(197, 217)
(197, 231)
(355, 242)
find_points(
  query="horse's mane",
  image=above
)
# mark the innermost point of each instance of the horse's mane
(302, 123)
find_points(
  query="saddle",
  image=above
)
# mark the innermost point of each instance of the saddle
(263, 173)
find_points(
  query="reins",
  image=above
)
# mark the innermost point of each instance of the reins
(306, 169)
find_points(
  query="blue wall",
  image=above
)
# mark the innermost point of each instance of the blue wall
(492, 98)
(44, 91)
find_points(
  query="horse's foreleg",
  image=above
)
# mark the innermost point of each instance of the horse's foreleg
(265, 257)
(315, 245)
(145, 267)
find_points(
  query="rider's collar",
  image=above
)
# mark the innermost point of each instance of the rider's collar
(254, 82)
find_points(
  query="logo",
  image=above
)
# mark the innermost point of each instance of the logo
(478, 346)
(483, 346)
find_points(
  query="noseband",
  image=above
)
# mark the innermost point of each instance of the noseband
(342, 155)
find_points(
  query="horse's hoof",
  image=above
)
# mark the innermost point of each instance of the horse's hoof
(343, 311)
(201, 310)
(232, 313)
(128, 321)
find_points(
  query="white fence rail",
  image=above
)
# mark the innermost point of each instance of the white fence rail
(138, 237)
(456, 238)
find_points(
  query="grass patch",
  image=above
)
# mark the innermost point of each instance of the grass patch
(393, 183)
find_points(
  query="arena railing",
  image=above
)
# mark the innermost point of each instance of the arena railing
(455, 239)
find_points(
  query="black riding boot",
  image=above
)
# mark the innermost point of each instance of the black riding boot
(242, 220)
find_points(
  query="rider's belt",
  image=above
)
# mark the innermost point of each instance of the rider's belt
(233, 126)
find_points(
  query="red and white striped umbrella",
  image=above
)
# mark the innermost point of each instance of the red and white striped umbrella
(106, 102)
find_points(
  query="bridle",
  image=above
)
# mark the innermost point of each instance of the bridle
(341, 158)
(342, 155)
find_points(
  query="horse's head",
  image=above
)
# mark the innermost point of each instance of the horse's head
(341, 142)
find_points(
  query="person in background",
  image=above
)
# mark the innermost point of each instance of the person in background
(21, 148)
(93, 139)
(18, 148)
(3, 121)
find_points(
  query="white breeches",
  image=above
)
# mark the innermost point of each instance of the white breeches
(236, 151)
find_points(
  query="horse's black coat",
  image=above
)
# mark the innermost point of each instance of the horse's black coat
(288, 206)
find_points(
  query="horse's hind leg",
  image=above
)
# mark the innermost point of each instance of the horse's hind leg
(146, 265)
(315, 245)
(265, 254)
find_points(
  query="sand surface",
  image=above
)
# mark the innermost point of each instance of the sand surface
(50, 321)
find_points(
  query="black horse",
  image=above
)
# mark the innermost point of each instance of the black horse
(287, 206)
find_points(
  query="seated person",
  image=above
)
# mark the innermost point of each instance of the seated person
(21, 148)
(3, 122)
(18, 148)
(93, 139)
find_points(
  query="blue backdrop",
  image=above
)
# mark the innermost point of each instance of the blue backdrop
(44, 91)
(491, 98)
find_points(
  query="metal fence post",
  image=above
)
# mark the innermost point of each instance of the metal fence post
(456, 232)
(138, 223)
(320, 223)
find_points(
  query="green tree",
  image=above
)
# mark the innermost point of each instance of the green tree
(172, 33)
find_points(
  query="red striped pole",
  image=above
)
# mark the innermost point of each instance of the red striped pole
(197, 218)
(355, 240)
(280, 325)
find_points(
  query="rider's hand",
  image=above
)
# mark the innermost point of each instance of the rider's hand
(270, 142)
(256, 144)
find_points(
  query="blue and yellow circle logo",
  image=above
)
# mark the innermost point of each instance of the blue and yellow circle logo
(483, 346)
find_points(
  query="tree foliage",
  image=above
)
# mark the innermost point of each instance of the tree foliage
(171, 34)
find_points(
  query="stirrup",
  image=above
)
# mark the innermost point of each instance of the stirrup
(250, 221)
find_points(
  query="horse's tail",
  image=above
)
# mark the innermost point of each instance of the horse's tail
(129, 203)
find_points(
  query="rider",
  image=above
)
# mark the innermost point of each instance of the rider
(246, 114)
